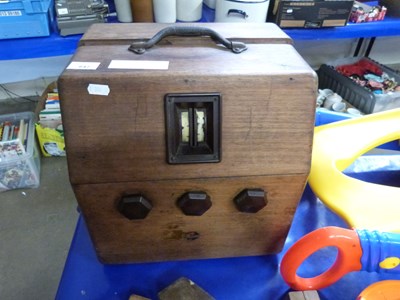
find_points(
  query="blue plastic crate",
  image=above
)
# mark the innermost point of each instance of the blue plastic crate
(26, 18)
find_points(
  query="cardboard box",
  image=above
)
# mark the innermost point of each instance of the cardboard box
(49, 132)
(312, 13)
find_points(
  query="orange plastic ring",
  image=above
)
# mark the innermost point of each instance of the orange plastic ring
(348, 257)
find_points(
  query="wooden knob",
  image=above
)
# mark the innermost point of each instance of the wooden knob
(134, 206)
(250, 200)
(194, 203)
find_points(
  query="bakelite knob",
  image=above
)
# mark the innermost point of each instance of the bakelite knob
(134, 206)
(250, 200)
(194, 203)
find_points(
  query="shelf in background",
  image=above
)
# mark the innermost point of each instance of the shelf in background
(388, 27)
(56, 45)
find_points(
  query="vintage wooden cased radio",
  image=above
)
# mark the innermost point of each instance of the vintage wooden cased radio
(194, 144)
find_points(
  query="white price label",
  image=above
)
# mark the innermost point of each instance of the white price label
(98, 89)
(139, 64)
(83, 65)
(62, 11)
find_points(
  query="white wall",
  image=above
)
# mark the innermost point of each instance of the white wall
(386, 50)
(320, 52)
(28, 77)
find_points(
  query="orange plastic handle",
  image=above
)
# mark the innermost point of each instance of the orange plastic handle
(348, 258)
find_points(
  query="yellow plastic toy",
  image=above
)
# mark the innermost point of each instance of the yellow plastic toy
(371, 210)
(336, 146)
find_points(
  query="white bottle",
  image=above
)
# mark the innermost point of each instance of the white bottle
(124, 12)
(189, 10)
(164, 11)
(210, 3)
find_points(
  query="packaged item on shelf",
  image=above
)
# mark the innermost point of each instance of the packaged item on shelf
(49, 127)
(75, 17)
(362, 12)
(366, 84)
(19, 156)
(312, 13)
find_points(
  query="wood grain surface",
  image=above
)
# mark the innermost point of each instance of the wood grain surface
(166, 233)
(268, 96)
(116, 143)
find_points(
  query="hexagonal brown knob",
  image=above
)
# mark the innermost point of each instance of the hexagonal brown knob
(250, 200)
(134, 206)
(194, 203)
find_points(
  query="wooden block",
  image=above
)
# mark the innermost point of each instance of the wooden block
(303, 295)
(295, 296)
(116, 140)
(311, 295)
(184, 289)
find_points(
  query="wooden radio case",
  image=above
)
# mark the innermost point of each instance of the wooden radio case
(193, 144)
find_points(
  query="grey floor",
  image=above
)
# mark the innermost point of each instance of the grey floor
(36, 228)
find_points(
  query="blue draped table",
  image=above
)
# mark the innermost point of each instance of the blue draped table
(252, 278)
